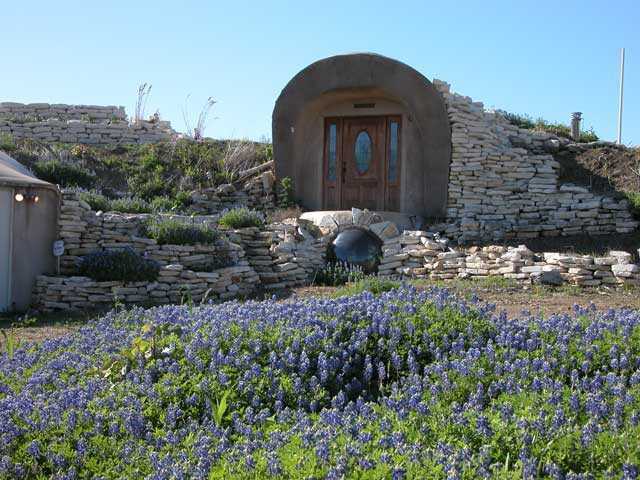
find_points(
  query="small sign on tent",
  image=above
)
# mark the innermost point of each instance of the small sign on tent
(58, 248)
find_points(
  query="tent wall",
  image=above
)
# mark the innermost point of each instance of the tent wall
(34, 230)
(6, 214)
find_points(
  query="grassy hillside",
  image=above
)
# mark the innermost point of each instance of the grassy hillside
(165, 170)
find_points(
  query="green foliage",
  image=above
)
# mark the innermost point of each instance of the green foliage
(241, 218)
(96, 201)
(174, 232)
(130, 205)
(542, 125)
(521, 121)
(179, 203)
(371, 284)
(7, 143)
(634, 202)
(124, 264)
(64, 174)
(336, 274)
(286, 193)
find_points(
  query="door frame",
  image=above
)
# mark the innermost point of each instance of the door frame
(9, 250)
(340, 164)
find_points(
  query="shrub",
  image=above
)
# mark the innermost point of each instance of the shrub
(130, 205)
(64, 174)
(285, 193)
(7, 143)
(634, 202)
(241, 218)
(542, 125)
(96, 201)
(174, 232)
(124, 265)
(336, 274)
(179, 203)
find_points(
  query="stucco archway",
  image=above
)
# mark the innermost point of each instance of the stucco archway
(332, 87)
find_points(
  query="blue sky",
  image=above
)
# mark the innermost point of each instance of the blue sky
(542, 58)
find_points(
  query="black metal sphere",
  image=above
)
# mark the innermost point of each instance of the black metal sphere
(358, 247)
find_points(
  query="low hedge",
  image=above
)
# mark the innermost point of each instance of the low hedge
(124, 265)
(241, 218)
(64, 174)
(174, 232)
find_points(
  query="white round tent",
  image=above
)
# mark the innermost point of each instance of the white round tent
(29, 209)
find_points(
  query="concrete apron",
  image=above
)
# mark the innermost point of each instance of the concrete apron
(402, 221)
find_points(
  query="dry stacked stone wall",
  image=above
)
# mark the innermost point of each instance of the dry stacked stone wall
(256, 193)
(86, 124)
(425, 254)
(281, 255)
(503, 182)
(278, 256)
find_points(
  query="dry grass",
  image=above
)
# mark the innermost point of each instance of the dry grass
(239, 155)
(282, 214)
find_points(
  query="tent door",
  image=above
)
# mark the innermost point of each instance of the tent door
(6, 228)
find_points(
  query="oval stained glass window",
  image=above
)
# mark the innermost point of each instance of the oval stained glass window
(363, 152)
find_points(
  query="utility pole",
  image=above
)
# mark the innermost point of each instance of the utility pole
(621, 96)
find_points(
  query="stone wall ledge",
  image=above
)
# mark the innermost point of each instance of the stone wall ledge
(175, 284)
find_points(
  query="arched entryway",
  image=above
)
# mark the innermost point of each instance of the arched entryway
(363, 131)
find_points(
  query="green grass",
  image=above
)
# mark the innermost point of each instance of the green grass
(542, 125)
(371, 284)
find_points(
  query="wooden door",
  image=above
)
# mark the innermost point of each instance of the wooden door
(362, 163)
(363, 154)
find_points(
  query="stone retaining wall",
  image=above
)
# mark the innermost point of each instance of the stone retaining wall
(175, 284)
(417, 254)
(282, 257)
(503, 182)
(85, 231)
(85, 124)
(256, 193)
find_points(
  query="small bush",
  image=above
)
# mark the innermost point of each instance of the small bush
(336, 274)
(124, 265)
(64, 174)
(241, 218)
(285, 193)
(634, 203)
(589, 136)
(7, 143)
(130, 205)
(96, 201)
(179, 203)
(174, 232)
(542, 125)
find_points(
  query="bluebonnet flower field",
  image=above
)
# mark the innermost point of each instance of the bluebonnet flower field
(406, 384)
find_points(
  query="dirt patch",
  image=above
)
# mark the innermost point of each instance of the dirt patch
(43, 327)
(605, 170)
(582, 244)
(515, 298)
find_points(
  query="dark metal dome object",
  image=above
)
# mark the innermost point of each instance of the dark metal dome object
(357, 247)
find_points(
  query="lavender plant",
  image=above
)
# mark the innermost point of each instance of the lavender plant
(406, 384)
